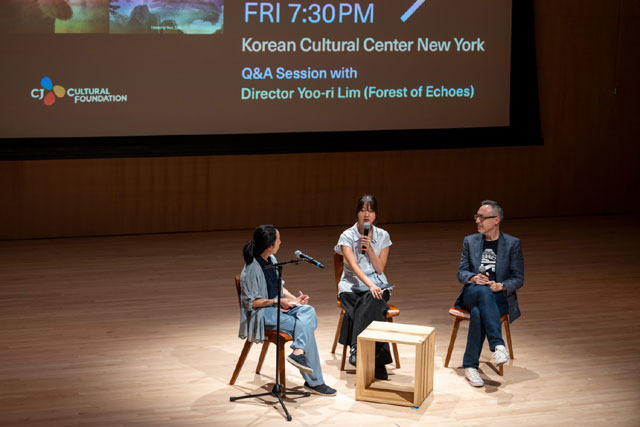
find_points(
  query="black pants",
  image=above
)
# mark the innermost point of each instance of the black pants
(361, 308)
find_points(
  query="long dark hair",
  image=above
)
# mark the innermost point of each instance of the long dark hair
(367, 199)
(263, 237)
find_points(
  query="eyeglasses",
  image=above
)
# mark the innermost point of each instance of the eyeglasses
(482, 218)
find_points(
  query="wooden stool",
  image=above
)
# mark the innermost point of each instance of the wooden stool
(461, 315)
(372, 390)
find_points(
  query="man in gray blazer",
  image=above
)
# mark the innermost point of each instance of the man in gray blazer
(491, 270)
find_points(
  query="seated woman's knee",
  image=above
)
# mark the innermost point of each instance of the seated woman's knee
(307, 311)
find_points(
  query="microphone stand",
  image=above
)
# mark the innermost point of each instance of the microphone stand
(277, 390)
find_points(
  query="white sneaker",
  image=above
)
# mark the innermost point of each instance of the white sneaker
(500, 356)
(473, 376)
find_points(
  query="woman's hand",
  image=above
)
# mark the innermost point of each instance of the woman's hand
(376, 292)
(285, 304)
(350, 258)
(302, 299)
(378, 261)
(365, 241)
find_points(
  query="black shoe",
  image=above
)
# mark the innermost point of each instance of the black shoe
(353, 355)
(300, 362)
(322, 389)
(381, 373)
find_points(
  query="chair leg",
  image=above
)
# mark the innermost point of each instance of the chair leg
(243, 357)
(344, 357)
(508, 333)
(395, 355)
(263, 353)
(454, 333)
(335, 339)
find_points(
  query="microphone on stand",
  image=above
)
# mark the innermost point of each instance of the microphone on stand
(308, 259)
(367, 226)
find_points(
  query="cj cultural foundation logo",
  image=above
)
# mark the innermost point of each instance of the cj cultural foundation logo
(48, 92)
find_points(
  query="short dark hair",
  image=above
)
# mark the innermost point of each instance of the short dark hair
(495, 207)
(263, 237)
(367, 199)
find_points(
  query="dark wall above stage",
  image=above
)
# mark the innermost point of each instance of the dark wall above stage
(588, 63)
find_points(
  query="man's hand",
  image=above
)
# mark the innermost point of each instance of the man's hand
(496, 286)
(480, 279)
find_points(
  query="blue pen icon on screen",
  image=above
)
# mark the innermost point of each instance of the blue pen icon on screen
(411, 10)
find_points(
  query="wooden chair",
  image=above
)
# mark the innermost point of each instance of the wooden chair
(460, 315)
(270, 337)
(394, 311)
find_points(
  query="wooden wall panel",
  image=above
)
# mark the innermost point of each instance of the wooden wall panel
(588, 55)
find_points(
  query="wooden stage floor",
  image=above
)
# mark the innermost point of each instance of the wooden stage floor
(142, 330)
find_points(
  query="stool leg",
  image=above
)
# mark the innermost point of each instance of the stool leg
(501, 370)
(335, 339)
(263, 353)
(454, 333)
(243, 357)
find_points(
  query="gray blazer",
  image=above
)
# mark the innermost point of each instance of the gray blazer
(509, 267)
(253, 285)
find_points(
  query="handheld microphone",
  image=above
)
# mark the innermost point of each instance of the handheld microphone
(367, 226)
(308, 259)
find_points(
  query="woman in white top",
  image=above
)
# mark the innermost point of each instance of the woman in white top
(364, 289)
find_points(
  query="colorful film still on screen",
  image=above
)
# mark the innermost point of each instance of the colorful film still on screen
(112, 16)
(166, 16)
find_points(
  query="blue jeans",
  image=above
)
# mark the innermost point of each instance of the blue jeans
(300, 322)
(485, 307)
